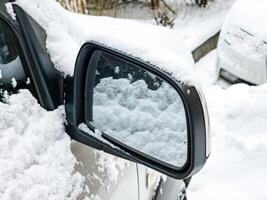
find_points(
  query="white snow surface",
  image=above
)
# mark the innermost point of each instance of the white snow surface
(206, 69)
(35, 157)
(237, 165)
(10, 11)
(66, 32)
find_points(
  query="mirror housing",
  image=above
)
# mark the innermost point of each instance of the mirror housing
(194, 104)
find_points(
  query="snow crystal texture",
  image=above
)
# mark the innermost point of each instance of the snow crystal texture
(35, 157)
(237, 166)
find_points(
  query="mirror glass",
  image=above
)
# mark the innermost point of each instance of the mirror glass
(137, 108)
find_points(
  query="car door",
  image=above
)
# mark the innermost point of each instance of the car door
(107, 177)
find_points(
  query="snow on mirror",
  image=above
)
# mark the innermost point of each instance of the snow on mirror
(138, 109)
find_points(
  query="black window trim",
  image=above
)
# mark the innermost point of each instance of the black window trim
(22, 55)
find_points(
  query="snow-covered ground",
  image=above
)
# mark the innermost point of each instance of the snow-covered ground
(237, 167)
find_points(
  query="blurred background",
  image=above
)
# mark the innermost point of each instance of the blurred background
(160, 12)
(194, 21)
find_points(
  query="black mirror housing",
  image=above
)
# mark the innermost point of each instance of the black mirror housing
(196, 115)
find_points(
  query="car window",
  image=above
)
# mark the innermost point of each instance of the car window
(12, 75)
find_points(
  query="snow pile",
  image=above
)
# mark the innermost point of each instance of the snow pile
(151, 121)
(35, 157)
(237, 166)
(66, 32)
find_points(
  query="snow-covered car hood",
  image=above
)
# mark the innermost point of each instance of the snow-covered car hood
(242, 48)
(250, 16)
(66, 32)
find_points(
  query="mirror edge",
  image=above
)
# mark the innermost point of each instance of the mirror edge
(195, 111)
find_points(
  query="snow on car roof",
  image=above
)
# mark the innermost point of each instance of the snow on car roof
(250, 16)
(66, 32)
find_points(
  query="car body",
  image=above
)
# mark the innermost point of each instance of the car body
(50, 87)
(242, 46)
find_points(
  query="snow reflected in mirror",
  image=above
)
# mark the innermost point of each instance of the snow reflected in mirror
(140, 110)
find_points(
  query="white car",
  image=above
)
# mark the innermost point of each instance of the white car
(129, 94)
(242, 46)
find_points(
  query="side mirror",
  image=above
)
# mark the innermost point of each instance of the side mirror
(131, 109)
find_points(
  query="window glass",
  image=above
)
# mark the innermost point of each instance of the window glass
(11, 71)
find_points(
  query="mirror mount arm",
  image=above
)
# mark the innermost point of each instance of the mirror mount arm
(78, 135)
(187, 181)
(83, 137)
(91, 141)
